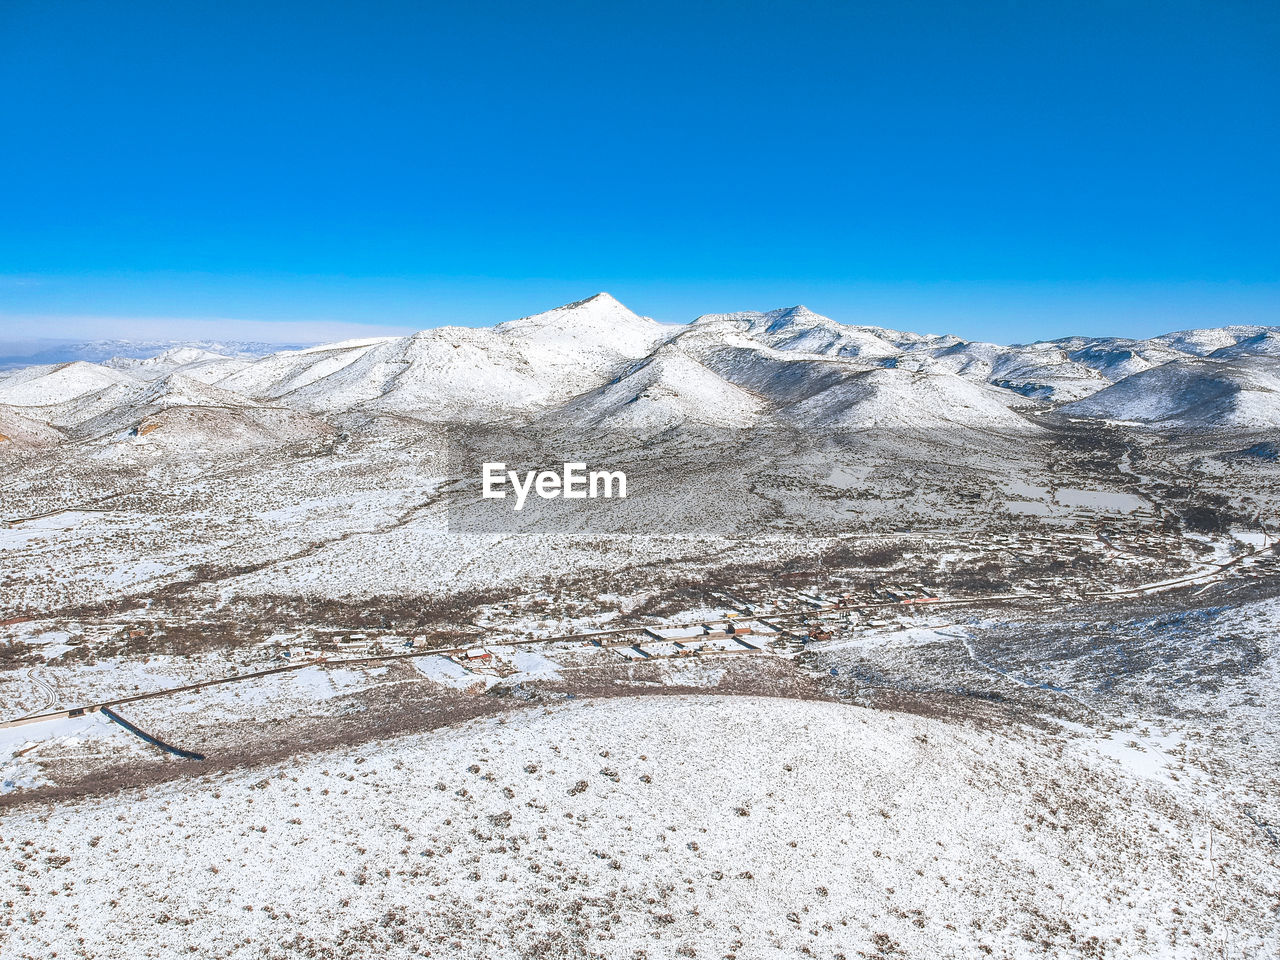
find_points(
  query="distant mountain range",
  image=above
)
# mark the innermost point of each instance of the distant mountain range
(28, 353)
(594, 365)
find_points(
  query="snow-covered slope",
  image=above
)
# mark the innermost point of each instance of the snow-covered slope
(94, 402)
(1192, 394)
(751, 827)
(1201, 343)
(20, 432)
(181, 414)
(668, 389)
(51, 386)
(599, 326)
(1040, 370)
(1266, 343)
(852, 383)
(145, 400)
(460, 373)
(800, 330)
(282, 373)
(181, 389)
(919, 402)
(67, 394)
(189, 428)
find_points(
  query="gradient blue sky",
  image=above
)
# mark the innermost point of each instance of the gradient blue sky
(1003, 170)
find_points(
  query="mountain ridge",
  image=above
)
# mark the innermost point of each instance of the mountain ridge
(597, 360)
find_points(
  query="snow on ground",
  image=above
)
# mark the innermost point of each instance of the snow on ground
(662, 826)
(887, 637)
(77, 683)
(449, 673)
(1141, 757)
(20, 746)
(39, 529)
(690, 672)
(1036, 501)
(299, 691)
(49, 644)
(1102, 500)
(531, 664)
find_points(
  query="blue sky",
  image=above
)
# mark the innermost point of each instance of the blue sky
(1004, 170)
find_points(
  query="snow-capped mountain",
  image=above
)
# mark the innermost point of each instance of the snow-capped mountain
(596, 365)
(461, 373)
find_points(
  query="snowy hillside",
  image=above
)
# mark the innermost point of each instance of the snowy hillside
(800, 330)
(897, 399)
(461, 373)
(1192, 394)
(596, 365)
(665, 390)
(19, 432)
(793, 828)
(57, 385)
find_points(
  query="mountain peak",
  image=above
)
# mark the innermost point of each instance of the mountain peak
(600, 304)
(602, 308)
(601, 299)
(790, 316)
(596, 324)
(596, 303)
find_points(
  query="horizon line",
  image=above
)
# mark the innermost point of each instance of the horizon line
(303, 333)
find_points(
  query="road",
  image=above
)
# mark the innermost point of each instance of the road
(50, 695)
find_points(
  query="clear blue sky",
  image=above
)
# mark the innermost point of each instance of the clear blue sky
(1006, 170)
